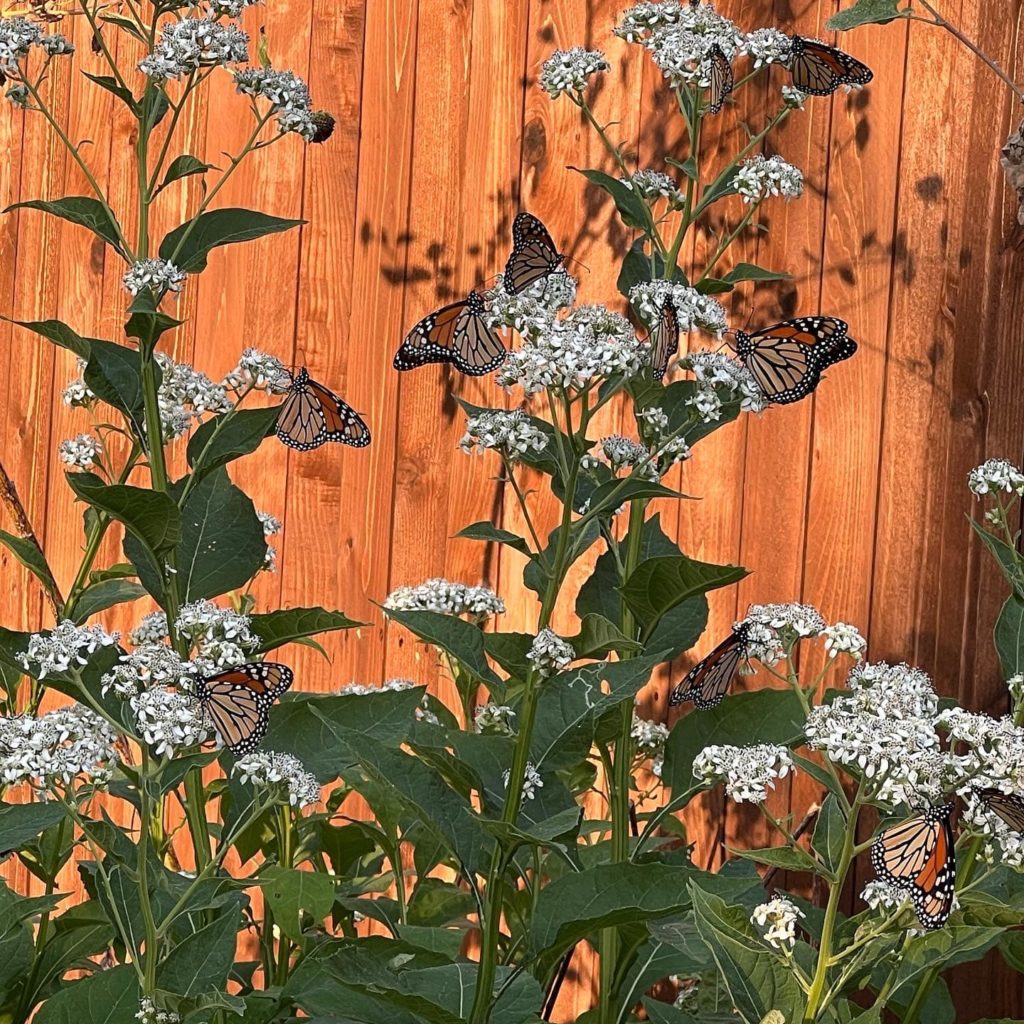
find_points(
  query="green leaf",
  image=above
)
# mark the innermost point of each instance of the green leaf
(82, 210)
(489, 533)
(189, 246)
(275, 629)
(536, 572)
(750, 272)
(659, 584)
(225, 438)
(665, 1013)
(114, 375)
(26, 552)
(435, 902)
(201, 963)
(290, 892)
(946, 947)
(598, 637)
(57, 332)
(757, 716)
(150, 516)
(830, 833)
(182, 167)
(98, 597)
(786, 858)
(113, 86)
(1009, 637)
(81, 932)
(20, 824)
(636, 268)
(1007, 557)
(146, 322)
(509, 650)
(867, 12)
(627, 200)
(106, 997)
(609, 496)
(756, 981)
(462, 640)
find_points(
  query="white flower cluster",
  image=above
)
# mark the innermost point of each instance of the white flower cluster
(495, 718)
(447, 598)
(185, 396)
(150, 664)
(80, 452)
(77, 393)
(842, 638)
(58, 746)
(221, 637)
(768, 46)
(622, 452)
(590, 343)
(777, 920)
(359, 690)
(568, 70)
(227, 8)
(649, 737)
(763, 176)
(533, 310)
(261, 371)
(996, 748)
(774, 628)
(149, 1014)
(287, 94)
(885, 728)
(187, 45)
(512, 434)
(19, 35)
(996, 475)
(693, 310)
(549, 653)
(169, 720)
(880, 894)
(531, 783)
(716, 371)
(793, 97)
(1003, 842)
(748, 772)
(271, 528)
(66, 648)
(158, 276)
(283, 775)
(654, 185)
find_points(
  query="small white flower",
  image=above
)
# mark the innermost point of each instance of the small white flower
(694, 311)
(533, 310)
(510, 433)
(768, 46)
(842, 638)
(149, 1014)
(793, 97)
(150, 664)
(187, 45)
(549, 653)
(158, 276)
(791, 622)
(649, 737)
(221, 636)
(996, 475)
(446, 598)
(878, 894)
(495, 718)
(287, 94)
(721, 377)
(568, 70)
(261, 371)
(80, 452)
(283, 775)
(77, 393)
(169, 720)
(17, 37)
(65, 648)
(1015, 684)
(777, 920)
(185, 396)
(359, 690)
(151, 630)
(748, 772)
(531, 783)
(655, 185)
(761, 176)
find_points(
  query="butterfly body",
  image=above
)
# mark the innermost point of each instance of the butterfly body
(919, 856)
(819, 69)
(534, 254)
(708, 681)
(238, 702)
(312, 415)
(664, 339)
(787, 359)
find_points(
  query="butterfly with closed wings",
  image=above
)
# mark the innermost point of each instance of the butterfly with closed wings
(1008, 807)
(312, 415)
(786, 359)
(919, 856)
(458, 334)
(709, 680)
(819, 69)
(534, 255)
(238, 702)
(664, 339)
(720, 78)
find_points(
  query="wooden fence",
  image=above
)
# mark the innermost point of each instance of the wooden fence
(854, 501)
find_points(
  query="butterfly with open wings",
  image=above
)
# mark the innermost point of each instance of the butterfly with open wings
(534, 254)
(312, 415)
(458, 334)
(238, 702)
(819, 69)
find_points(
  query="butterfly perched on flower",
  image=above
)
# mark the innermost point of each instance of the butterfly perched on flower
(458, 334)
(820, 69)
(534, 255)
(787, 359)
(709, 680)
(312, 415)
(1008, 807)
(238, 702)
(664, 339)
(919, 856)
(720, 77)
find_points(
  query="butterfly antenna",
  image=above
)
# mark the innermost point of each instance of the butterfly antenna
(572, 259)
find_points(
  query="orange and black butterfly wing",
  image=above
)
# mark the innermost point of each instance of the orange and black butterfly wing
(665, 340)
(1007, 806)
(238, 702)
(919, 855)
(721, 78)
(708, 681)
(301, 424)
(458, 334)
(341, 422)
(820, 69)
(534, 254)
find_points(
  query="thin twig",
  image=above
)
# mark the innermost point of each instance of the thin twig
(812, 813)
(23, 528)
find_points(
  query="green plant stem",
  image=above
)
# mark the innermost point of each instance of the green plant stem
(527, 518)
(142, 867)
(694, 129)
(728, 240)
(286, 857)
(90, 16)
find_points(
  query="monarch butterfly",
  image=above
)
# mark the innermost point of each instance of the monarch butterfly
(238, 702)
(918, 855)
(311, 416)
(786, 359)
(709, 680)
(664, 340)
(458, 334)
(1007, 806)
(721, 78)
(819, 69)
(533, 254)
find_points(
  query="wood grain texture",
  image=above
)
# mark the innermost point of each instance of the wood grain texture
(853, 501)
